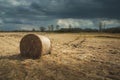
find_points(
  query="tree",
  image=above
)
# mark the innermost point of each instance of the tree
(52, 27)
(57, 27)
(42, 29)
(100, 26)
(104, 25)
(49, 29)
(70, 26)
(33, 29)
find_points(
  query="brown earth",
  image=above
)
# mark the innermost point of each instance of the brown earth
(74, 56)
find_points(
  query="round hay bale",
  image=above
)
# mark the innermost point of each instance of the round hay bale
(33, 46)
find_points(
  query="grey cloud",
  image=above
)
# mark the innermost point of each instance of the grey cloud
(79, 8)
(63, 8)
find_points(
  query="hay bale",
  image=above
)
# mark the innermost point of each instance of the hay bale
(34, 46)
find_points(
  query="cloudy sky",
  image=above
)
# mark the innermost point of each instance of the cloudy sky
(28, 14)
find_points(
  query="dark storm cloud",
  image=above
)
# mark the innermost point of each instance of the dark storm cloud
(61, 8)
(79, 8)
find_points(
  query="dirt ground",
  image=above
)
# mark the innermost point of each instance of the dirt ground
(74, 56)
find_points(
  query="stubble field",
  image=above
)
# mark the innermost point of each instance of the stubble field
(74, 56)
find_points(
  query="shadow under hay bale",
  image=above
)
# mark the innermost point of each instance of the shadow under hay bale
(34, 46)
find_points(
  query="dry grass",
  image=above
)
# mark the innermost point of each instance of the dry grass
(78, 56)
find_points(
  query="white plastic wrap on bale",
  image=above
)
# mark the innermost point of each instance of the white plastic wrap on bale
(34, 46)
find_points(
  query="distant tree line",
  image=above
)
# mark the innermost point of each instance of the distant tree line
(58, 28)
(101, 28)
(112, 30)
(51, 28)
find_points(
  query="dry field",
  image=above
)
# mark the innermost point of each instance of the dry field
(74, 56)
